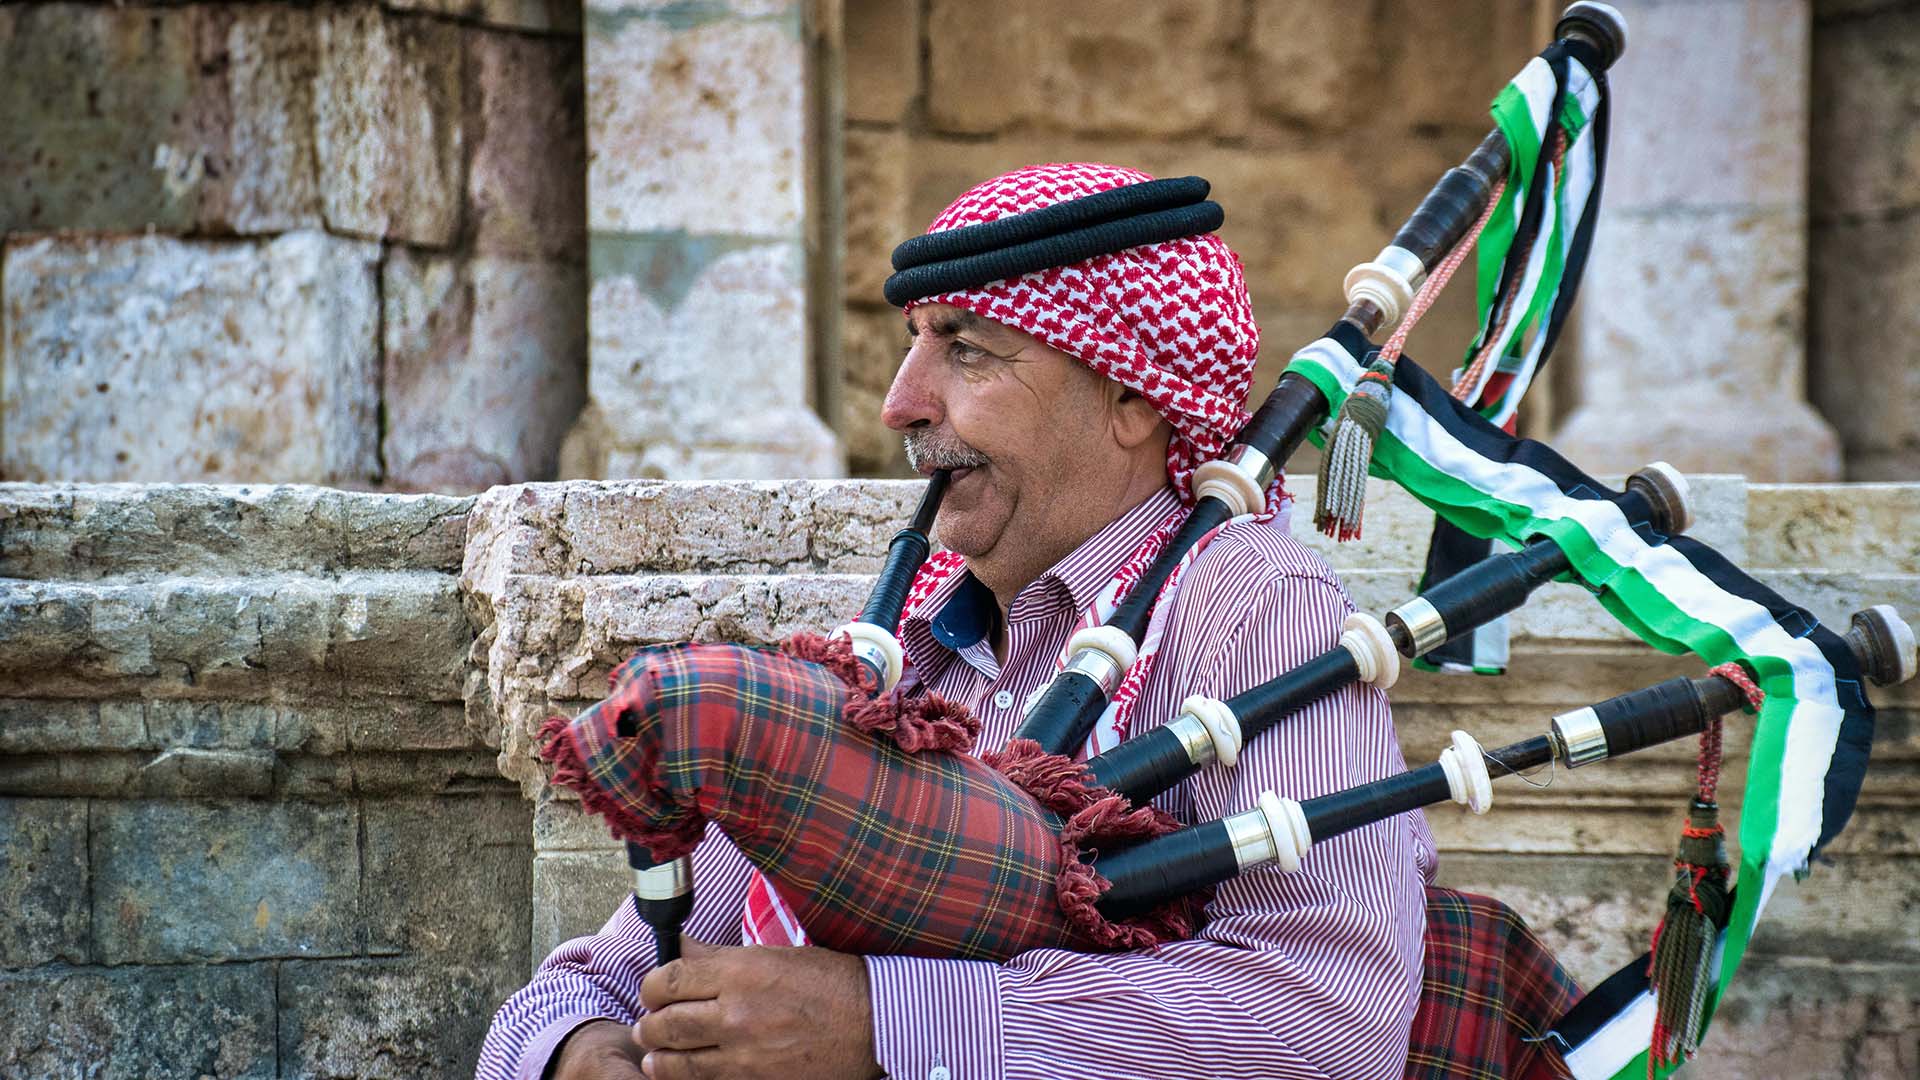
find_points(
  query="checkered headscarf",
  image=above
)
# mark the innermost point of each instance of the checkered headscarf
(1171, 321)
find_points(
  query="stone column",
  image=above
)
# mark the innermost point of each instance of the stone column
(1692, 332)
(697, 184)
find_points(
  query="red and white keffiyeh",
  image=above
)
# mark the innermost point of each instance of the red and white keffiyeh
(1171, 321)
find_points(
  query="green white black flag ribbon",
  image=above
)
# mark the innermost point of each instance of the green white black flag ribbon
(1530, 255)
(1810, 740)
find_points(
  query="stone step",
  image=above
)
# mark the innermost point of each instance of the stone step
(354, 635)
(91, 532)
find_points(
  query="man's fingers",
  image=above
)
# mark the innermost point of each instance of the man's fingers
(683, 1025)
(690, 978)
(685, 1065)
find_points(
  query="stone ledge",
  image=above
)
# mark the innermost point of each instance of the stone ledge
(89, 532)
(360, 634)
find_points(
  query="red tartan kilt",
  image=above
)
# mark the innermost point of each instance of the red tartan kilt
(875, 849)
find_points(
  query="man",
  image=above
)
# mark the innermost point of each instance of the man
(1072, 404)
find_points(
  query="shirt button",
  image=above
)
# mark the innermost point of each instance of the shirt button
(1001, 700)
(939, 1072)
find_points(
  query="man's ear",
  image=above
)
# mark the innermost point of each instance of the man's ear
(1134, 419)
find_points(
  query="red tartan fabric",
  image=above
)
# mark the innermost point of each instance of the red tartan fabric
(876, 850)
(1489, 988)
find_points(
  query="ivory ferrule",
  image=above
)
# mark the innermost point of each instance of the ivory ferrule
(1194, 738)
(1367, 640)
(878, 649)
(1423, 623)
(1465, 766)
(665, 881)
(1222, 728)
(1232, 484)
(1102, 653)
(1582, 740)
(1388, 282)
(1287, 830)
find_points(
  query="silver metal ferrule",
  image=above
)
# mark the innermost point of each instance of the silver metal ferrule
(1423, 623)
(1253, 463)
(1194, 738)
(1097, 666)
(1252, 843)
(665, 881)
(1582, 740)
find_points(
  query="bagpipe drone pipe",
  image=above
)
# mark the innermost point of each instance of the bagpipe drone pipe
(810, 760)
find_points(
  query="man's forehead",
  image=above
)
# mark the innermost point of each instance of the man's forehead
(944, 319)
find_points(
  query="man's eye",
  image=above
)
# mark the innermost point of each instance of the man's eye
(968, 353)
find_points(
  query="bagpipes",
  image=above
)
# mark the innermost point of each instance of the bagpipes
(1024, 848)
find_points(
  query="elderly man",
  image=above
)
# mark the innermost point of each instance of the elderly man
(1072, 404)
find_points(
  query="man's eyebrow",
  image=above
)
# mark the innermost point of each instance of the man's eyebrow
(953, 322)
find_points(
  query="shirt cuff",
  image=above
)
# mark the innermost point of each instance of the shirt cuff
(541, 1048)
(936, 1019)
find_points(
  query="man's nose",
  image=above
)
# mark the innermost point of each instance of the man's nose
(913, 401)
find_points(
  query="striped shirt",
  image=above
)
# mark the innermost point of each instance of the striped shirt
(1313, 974)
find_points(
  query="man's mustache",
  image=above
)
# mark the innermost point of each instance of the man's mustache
(927, 450)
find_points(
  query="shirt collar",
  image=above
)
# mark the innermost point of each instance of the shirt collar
(961, 610)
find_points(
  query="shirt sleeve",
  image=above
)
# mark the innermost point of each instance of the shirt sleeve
(598, 977)
(1314, 974)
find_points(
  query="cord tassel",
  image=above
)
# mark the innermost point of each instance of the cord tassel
(1349, 450)
(1697, 910)
(1698, 905)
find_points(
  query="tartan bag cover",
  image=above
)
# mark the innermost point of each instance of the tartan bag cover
(1489, 993)
(859, 836)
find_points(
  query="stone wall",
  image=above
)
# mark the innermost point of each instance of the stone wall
(565, 580)
(245, 828)
(340, 244)
(1320, 125)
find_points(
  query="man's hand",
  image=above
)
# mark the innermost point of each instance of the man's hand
(779, 1013)
(599, 1050)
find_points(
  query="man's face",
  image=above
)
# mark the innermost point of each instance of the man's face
(1022, 424)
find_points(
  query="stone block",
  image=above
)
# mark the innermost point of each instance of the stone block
(1859, 358)
(1832, 1016)
(148, 358)
(448, 877)
(540, 16)
(1314, 63)
(665, 310)
(665, 527)
(1739, 407)
(94, 531)
(387, 1019)
(853, 523)
(525, 189)
(126, 119)
(1109, 67)
(133, 1023)
(883, 59)
(877, 208)
(209, 725)
(485, 368)
(697, 128)
(870, 351)
(178, 881)
(1490, 41)
(574, 893)
(30, 727)
(1863, 137)
(389, 130)
(1739, 70)
(400, 635)
(43, 881)
(393, 725)
(561, 824)
(1864, 528)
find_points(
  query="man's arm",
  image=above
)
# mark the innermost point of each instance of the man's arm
(598, 977)
(1311, 975)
